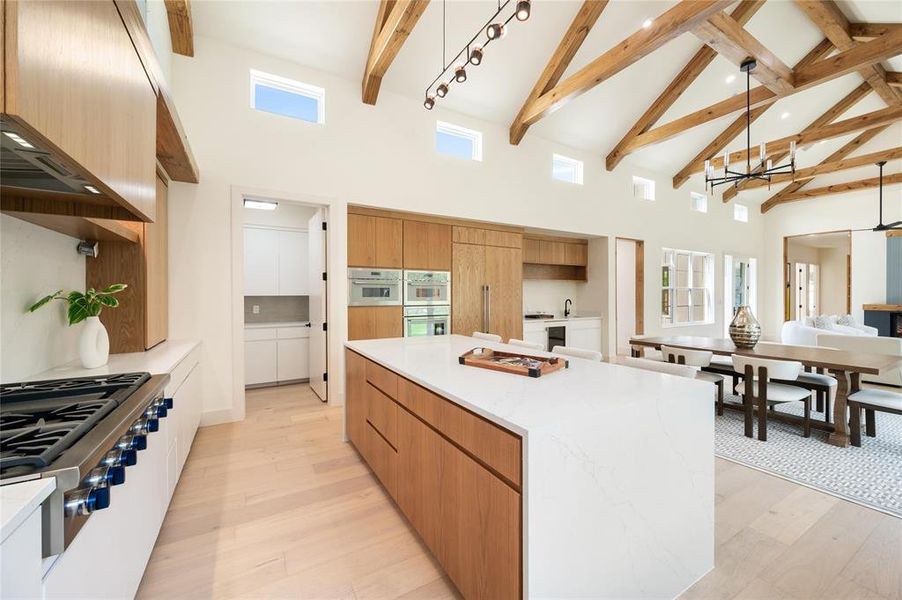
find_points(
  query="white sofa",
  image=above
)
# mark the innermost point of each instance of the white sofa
(799, 333)
(871, 345)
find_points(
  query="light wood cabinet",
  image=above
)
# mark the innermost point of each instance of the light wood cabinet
(497, 308)
(75, 86)
(142, 318)
(454, 475)
(555, 252)
(372, 322)
(427, 246)
(375, 241)
(468, 289)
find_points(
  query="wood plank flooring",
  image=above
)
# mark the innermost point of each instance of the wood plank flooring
(279, 507)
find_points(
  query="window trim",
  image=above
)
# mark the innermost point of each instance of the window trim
(736, 207)
(693, 196)
(576, 164)
(291, 86)
(710, 289)
(473, 135)
(645, 182)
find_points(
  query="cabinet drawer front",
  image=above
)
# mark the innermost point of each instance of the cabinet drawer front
(506, 239)
(382, 458)
(355, 399)
(291, 333)
(266, 333)
(468, 235)
(382, 414)
(382, 378)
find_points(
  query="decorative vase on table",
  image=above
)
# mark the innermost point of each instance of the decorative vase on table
(93, 344)
(745, 331)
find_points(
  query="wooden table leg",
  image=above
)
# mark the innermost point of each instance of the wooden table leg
(840, 435)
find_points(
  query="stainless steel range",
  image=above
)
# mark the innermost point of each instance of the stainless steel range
(87, 432)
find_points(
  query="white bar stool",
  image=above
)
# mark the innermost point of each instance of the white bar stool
(491, 337)
(525, 344)
(577, 353)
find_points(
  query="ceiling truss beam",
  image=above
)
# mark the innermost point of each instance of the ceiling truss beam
(841, 188)
(181, 31)
(865, 32)
(394, 22)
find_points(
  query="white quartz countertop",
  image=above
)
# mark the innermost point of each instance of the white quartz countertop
(570, 318)
(18, 500)
(162, 358)
(586, 390)
(276, 324)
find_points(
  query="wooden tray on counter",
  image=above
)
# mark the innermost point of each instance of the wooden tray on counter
(512, 362)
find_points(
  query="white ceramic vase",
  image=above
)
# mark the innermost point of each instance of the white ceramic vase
(94, 344)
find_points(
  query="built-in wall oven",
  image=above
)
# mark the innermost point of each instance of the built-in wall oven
(374, 287)
(427, 320)
(427, 288)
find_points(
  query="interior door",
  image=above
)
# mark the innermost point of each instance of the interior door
(467, 283)
(316, 239)
(504, 278)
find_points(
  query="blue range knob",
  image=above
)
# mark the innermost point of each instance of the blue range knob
(153, 425)
(168, 402)
(116, 475)
(129, 458)
(98, 499)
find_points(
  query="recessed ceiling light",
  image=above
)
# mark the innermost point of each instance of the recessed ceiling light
(92, 189)
(784, 116)
(646, 23)
(731, 78)
(260, 204)
(17, 139)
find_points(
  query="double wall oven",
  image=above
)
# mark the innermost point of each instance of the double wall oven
(427, 303)
(374, 287)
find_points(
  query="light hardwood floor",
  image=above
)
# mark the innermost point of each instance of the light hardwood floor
(279, 507)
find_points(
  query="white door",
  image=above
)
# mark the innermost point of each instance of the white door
(294, 278)
(261, 262)
(626, 294)
(316, 238)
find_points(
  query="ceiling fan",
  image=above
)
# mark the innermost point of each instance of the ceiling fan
(880, 226)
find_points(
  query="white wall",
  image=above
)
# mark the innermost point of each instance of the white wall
(833, 280)
(35, 262)
(548, 296)
(384, 156)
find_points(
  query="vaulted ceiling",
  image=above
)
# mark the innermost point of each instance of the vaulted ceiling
(336, 37)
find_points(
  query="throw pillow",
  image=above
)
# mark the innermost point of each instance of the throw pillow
(847, 320)
(809, 321)
(823, 322)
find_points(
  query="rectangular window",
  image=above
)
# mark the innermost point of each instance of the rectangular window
(458, 141)
(687, 287)
(643, 189)
(566, 169)
(287, 97)
(741, 212)
(698, 202)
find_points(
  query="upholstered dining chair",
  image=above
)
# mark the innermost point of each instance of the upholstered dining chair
(697, 359)
(525, 344)
(871, 401)
(490, 337)
(759, 389)
(577, 353)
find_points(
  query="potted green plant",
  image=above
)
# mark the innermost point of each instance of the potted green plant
(93, 342)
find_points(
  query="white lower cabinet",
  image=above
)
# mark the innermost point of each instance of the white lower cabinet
(292, 357)
(260, 361)
(276, 354)
(20, 559)
(580, 333)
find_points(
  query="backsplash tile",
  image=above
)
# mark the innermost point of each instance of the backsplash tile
(276, 309)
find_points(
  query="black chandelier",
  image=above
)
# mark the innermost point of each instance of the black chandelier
(765, 169)
(472, 52)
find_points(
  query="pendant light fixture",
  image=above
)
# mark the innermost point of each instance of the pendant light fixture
(764, 169)
(472, 53)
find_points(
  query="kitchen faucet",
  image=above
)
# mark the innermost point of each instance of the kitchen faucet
(567, 304)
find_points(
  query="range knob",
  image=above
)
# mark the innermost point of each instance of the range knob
(84, 501)
(168, 403)
(120, 458)
(132, 442)
(145, 425)
(156, 410)
(105, 475)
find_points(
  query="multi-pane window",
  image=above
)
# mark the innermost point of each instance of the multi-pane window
(287, 97)
(687, 287)
(698, 202)
(741, 213)
(567, 169)
(458, 141)
(643, 189)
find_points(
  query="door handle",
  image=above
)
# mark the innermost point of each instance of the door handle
(488, 309)
(485, 308)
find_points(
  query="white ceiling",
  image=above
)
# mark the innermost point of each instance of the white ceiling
(334, 36)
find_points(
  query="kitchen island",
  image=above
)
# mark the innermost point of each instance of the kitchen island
(594, 481)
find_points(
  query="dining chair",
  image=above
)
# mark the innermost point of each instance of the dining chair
(760, 389)
(871, 401)
(525, 344)
(723, 365)
(824, 388)
(577, 352)
(698, 359)
(491, 337)
(648, 364)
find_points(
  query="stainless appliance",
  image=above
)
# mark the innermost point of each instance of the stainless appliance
(374, 287)
(427, 288)
(557, 336)
(86, 432)
(427, 320)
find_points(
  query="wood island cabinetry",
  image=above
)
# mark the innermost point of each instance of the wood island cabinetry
(454, 475)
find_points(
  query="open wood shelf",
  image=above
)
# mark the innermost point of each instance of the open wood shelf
(84, 228)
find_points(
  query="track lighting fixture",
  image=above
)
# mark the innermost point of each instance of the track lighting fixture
(460, 74)
(496, 31)
(476, 56)
(523, 10)
(442, 90)
(429, 102)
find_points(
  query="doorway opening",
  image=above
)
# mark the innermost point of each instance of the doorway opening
(629, 282)
(817, 276)
(740, 286)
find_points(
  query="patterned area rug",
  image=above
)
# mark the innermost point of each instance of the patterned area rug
(870, 475)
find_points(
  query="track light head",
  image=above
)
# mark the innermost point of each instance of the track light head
(442, 90)
(523, 7)
(429, 102)
(476, 56)
(496, 31)
(460, 74)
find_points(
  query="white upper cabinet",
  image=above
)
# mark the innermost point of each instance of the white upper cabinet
(275, 262)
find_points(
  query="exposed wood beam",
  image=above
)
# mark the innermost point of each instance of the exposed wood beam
(824, 70)
(683, 17)
(829, 167)
(693, 68)
(834, 24)
(894, 78)
(833, 113)
(839, 188)
(865, 32)
(848, 148)
(739, 124)
(180, 28)
(394, 22)
(734, 43)
(579, 28)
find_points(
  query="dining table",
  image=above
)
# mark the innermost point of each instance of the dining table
(846, 367)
